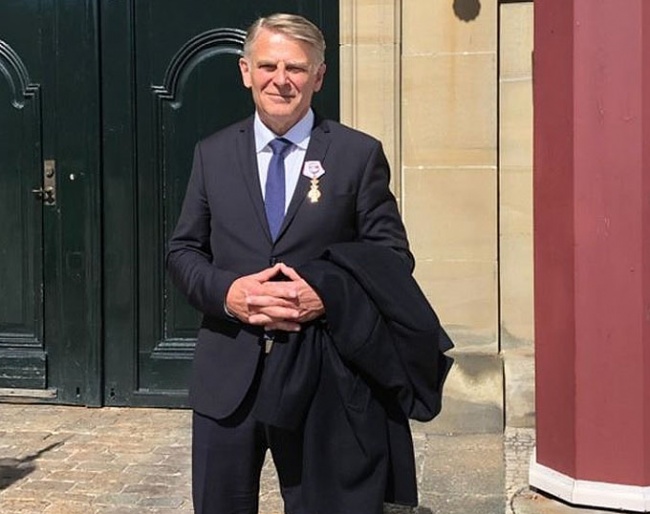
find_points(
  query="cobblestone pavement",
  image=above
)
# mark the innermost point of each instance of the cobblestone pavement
(76, 460)
(519, 444)
(521, 499)
(69, 460)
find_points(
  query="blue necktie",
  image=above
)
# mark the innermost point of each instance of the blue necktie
(274, 196)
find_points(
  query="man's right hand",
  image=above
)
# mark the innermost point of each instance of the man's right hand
(253, 300)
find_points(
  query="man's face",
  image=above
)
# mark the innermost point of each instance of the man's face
(283, 75)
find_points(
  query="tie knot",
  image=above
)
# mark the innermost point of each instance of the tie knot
(280, 146)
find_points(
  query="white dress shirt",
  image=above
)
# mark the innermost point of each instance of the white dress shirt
(299, 135)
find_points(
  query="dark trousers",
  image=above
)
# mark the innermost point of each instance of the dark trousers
(227, 459)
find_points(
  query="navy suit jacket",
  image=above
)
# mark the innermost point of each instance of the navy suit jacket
(222, 234)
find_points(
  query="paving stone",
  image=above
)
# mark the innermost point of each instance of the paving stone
(481, 472)
(23, 506)
(173, 481)
(162, 501)
(147, 490)
(112, 509)
(67, 507)
(159, 469)
(44, 486)
(98, 487)
(465, 504)
(184, 507)
(119, 499)
(72, 476)
(47, 466)
(57, 498)
(56, 459)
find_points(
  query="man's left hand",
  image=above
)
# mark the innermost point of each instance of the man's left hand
(299, 292)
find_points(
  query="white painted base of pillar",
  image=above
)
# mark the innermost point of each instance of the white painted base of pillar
(587, 493)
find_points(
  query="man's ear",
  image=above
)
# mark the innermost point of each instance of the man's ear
(244, 68)
(320, 75)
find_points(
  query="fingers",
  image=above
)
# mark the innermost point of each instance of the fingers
(275, 319)
(267, 274)
(276, 305)
(273, 307)
(255, 302)
(236, 299)
(237, 296)
(289, 272)
(270, 311)
(283, 290)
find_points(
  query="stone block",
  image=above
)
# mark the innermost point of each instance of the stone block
(438, 27)
(519, 366)
(369, 82)
(472, 399)
(516, 40)
(450, 214)
(464, 295)
(449, 110)
(462, 474)
(516, 123)
(368, 21)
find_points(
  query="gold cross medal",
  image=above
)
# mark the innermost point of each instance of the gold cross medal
(313, 170)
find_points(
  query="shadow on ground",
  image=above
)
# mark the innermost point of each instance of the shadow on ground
(398, 509)
(12, 470)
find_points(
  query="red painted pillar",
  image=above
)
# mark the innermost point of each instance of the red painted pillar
(592, 251)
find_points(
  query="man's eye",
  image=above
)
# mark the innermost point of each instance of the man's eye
(267, 67)
(296, 69)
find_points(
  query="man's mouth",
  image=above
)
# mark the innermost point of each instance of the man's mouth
(285, 98)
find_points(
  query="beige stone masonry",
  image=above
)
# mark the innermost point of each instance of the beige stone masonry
(516, 211)
(370, 71)
(515, 166)
(422, 76)
(449, 149)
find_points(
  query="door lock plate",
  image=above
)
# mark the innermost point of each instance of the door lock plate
(47, 193)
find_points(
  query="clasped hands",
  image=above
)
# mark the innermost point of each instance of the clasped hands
(257, 299)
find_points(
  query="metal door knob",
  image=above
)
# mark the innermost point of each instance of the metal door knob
(46, 194)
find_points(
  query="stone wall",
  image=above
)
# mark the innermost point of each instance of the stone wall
(515, 210)
(423, 76)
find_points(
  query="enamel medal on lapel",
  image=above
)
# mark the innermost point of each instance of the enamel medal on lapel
(313, 170)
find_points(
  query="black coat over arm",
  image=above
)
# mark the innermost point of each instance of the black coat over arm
(354, 381)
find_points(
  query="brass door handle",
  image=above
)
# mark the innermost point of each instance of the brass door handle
(46, 194)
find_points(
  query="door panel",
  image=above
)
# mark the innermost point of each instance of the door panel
(49, 251)
(22, 352)
(186, 86)
(193, 97)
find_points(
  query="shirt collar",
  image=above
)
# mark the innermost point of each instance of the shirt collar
(299, 134)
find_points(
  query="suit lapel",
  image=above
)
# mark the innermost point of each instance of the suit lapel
(248, 160)
(318, 145)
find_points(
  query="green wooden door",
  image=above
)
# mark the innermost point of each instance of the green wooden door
(106, 113)
(50, 323)
(169, 77)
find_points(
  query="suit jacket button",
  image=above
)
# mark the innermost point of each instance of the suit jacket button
(273, 261)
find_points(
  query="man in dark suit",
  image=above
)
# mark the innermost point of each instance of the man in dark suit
(265, 196)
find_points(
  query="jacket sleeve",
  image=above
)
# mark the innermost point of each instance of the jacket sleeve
(378, 218)
(189, 255)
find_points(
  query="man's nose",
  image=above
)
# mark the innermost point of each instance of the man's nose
(280, 77)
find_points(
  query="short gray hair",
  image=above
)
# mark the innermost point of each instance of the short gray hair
(291, 25)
